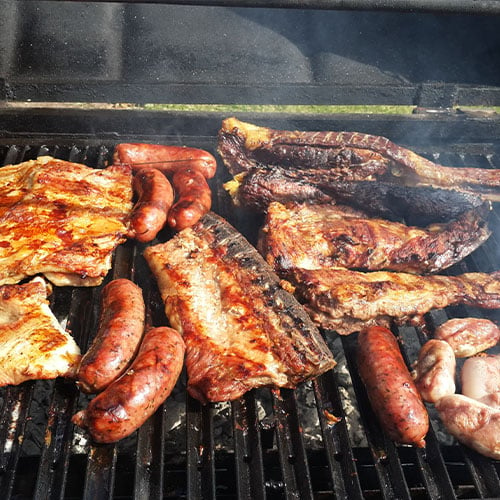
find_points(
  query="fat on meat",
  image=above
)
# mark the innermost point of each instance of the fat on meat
(33, 345)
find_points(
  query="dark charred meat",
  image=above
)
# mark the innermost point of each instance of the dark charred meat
(418, 206)
(241, 328)
(347, 301)
(348, 156)
(312, 236)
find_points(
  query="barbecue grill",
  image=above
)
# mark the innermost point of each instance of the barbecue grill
(320, 441)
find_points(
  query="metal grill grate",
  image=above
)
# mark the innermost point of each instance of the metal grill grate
(270, 444)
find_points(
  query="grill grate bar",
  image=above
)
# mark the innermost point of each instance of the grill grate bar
(341, 460)
(248, 448)
(293, 458)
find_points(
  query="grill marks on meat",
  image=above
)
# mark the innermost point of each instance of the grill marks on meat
(33, 345)
(347, 301)
(350, 155)
(241, 329)
(317, 236)
(61, 219)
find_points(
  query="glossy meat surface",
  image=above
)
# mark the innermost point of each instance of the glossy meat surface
(312, 236)
(480, 378)
(241, 329)
(61, 219)
(33, 345)
(346, 301)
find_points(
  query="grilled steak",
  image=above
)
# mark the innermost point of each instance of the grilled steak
(241, 329)
(33, 345)
(417, 205)
(61, 219)
(346, 156)
(347, 301)
(316, 236)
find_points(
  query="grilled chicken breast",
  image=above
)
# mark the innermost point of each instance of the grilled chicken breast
(241, 329)
(61, 219)
(33, 345)
(316, 236)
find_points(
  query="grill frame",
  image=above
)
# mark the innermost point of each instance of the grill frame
(268, 458)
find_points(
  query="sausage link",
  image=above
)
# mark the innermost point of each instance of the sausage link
(127, 403)
(155, 197)
(391, 390)
(120, 329)
(194, 198)
(173, 158)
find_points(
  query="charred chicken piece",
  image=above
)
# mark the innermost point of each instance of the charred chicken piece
(346, 156)
(241, 329)
(317, 236)
(347, 301)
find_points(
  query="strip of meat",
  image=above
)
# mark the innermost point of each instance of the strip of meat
(480, 378)
(390, 388)
(194, 198)
(33, 345)
(62, 219)
(121, 325)
(434, 371)
(352, 155)
(417, 205)
(155, 197)
(129, 401)
(347, 301)
(168, 159)
(468, 336)
(241, 329)
(473, 423)
(316, 236)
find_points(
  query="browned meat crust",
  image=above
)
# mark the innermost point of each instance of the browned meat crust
(347, 301)
(241, 329)
(62, 219)
(316, 236)
(347, 156)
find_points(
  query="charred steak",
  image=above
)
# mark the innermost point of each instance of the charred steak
(241, 329)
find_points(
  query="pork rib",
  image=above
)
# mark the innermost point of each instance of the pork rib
(62, 219)
(347, 301)
(241, 329)
(313, 236)
(347, 156)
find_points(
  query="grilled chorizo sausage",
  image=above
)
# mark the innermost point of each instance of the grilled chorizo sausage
(168, 159)
(119, 333)
(129, 401)
(155, 197)
(391, 391)
(194, 198)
